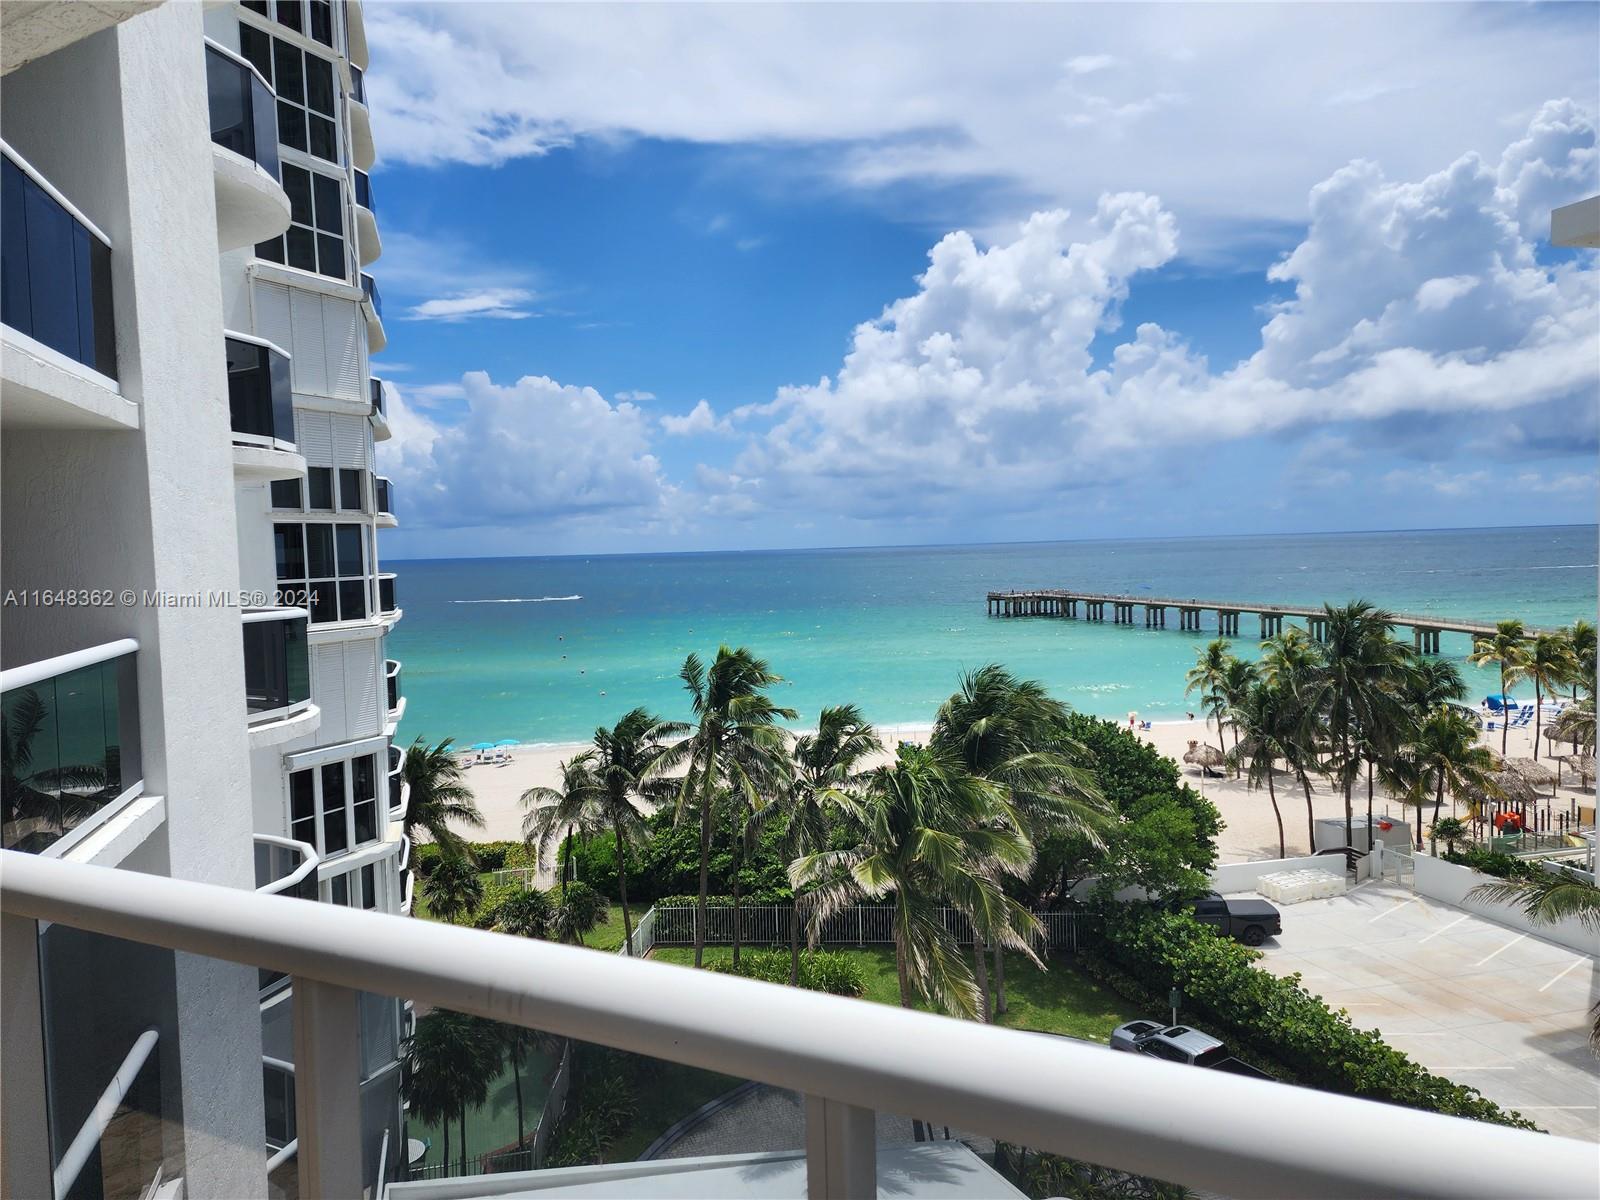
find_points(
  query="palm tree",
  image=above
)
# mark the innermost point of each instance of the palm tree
(450, 1060)
(824, 763)
(1506, 648)
(1450, 829)
(529, 914)
(628, 761)
(1012, 733)
(453, 888)
(930, 834)
(1550, 663)
(1355, 688)
(736, 745)
(581, 909)
(1268, 721)
(438, 797)
(1576, 724)
(576, 807)
(1431, 682)
(1446, 757)
(1238, 677)
(1207, 677)
(1581, 640)
(1288, 664)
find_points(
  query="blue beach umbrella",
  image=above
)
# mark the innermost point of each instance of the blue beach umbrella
(483, 745)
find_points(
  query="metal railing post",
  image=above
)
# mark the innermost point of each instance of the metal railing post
(327, 1089)
(841, 1150)
(24, 1131)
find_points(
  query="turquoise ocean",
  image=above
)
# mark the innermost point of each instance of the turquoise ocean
(545, 649)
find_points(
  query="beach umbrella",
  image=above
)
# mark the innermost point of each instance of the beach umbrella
(1204, 757)
(1583, 764)
(483, 745)
(1535, 773)
(1504, 785)
(508, 742)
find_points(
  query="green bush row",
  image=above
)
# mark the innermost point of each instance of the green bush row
(820, 970)
(1269, 1016)
(1491, 862)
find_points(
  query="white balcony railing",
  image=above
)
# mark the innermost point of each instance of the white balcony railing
(1240, 1137)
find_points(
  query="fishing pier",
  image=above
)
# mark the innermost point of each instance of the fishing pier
(1092, 606)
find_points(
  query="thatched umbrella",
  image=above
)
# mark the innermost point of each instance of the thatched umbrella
(1207, 758)
(1535, 773)
(1504, 785)
(1583, 764)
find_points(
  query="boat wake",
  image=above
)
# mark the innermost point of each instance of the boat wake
(521, 600)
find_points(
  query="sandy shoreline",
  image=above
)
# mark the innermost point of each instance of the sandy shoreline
(1250, 831)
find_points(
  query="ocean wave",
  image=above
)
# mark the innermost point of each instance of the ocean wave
(521, 600)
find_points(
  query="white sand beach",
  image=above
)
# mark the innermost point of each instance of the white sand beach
(1249, 832)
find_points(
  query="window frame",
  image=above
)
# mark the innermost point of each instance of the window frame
(308, 582)
(276, 250)
(321, 813)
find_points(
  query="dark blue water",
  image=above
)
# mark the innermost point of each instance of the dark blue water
(544, 649)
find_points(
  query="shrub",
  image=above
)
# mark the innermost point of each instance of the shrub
(424, 857)
(1491, 862)
(487, 912)
(820, 970)
(529, 913)
(1268, 1016)
(578, 909)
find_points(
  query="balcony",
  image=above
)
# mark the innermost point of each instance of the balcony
(285, 867)
(277, 675)
(261, 410)
(388, 607)
(383, 498)
(251, 203)
(370, 244)
(391, 681)
(399, 793)
(355, 35)
(70, 753)
(372, 305)
(60, 361)
(362, 150)
(850, 1060)
(379, 416)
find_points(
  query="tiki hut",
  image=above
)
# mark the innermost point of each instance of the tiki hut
(1536, 774)
(1581, 765)
(1207, 758)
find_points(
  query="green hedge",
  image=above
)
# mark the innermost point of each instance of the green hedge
(1492, 862)
(1267, 1016)
(820, 970)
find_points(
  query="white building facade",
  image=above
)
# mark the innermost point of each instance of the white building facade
(193, 643)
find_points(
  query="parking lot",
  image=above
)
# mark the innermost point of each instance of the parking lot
(1505, 1012)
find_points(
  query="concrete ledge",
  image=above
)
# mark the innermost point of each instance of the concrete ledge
(1452, 883)
(43, 388)
(124, 833)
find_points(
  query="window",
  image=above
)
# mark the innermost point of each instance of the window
(333, 806)
(286, 494)
(319, 481)
(327, 564)
(315, 239)
(304, 84)
(350, 489)
(1162, 1050)
(369, 886)
(314, 18)
(340, 889)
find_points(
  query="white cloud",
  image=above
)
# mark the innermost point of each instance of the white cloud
(504, 304)
(983, 93)
(699, 420)
(636, 397)
(1414, 302)
(532, 451)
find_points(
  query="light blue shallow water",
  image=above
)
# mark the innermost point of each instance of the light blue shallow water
(545, 649)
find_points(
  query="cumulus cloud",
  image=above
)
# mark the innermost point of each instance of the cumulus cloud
(503, 304)
(1413, 300)
(532, 451)
(980, 93)
(701, 419)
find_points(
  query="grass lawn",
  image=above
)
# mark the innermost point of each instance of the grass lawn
(1060, 1000)
(494, 1124)
(608, 934)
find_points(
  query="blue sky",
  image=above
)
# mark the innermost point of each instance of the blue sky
(661, 278)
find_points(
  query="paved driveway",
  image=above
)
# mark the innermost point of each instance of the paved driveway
(1504, 1012)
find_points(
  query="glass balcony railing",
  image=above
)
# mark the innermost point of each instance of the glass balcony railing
(391, 679)
(364, 192)
(397, 790)
(71, 745)
(383, 494)
(244, 115)
(375, 389)
(260, 396)
(369, 288)
(386, 598)
(56, 271)
(277, 662)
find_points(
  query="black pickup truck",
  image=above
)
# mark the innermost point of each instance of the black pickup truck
(1250, 921)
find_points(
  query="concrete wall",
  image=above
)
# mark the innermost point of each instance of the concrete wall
(1452, 884)
(1243, 877)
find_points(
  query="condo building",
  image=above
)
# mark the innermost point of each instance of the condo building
(195, 676)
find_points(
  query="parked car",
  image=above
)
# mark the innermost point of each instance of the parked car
(1250, 921)
(1180, 1044)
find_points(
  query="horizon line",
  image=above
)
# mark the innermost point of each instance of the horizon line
(1210, 537)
